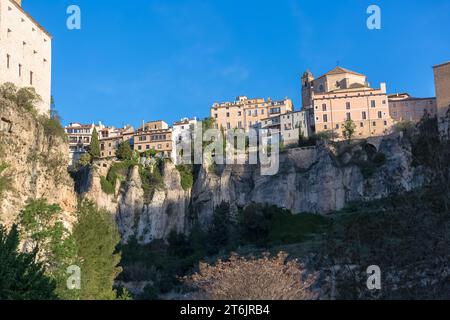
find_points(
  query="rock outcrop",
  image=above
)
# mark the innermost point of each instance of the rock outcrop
(317, 179)
(166, 212)
(36, 162)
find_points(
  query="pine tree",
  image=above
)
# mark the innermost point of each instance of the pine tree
(21, 278)
(96, 236)
(94, 148)
(41, 226)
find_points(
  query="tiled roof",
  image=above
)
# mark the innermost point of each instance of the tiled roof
(340, 70)
(441, 65)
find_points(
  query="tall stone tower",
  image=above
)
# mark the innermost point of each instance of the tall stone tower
(307, 88)
(442, 83)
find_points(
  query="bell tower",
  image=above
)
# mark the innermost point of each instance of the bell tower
(307, 88)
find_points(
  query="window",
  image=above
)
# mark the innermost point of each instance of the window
(159, 147)
(262, 111)
(361, 124)
(239, 113)
(215, 115)
(240, 124)
(325, 127)
(255, 113)
(385, 122)
(374, 124)
(337, 126)
(373, 103)
(228, 125)
(31, 78)
(228, 114)
(349, 116)
(139, 147)
(325, 118)
(384, 101)
(8, 58)
(324, 107)
(380, 115)
(348, 105)
(364, 115)
(20, 70)
(249, 112)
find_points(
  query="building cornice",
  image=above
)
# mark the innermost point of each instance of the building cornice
(31, 18)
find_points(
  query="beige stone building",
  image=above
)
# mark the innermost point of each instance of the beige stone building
(25, 51)
(111, 137)
(155, 135)
(442, 83)
(341, 94)
(403, 107)
(245, 113)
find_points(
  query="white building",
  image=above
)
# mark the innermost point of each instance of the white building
(293, 125)
(25, 52)
(79, 136)
(181, 131)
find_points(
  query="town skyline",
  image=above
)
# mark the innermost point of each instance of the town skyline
(222, 63)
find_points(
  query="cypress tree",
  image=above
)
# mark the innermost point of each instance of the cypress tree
(96, 236)
(94, 148)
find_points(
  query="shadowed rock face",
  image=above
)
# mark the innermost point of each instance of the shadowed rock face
(318, 180)
(37, 164)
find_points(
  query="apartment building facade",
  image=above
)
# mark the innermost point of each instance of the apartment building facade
(403, 107)
(245, 113)
(293, 126)
(442, 84)
(25, 52)
(155, 135)
(341, 95)
(111, 138)
(79, 137)
(182, 132)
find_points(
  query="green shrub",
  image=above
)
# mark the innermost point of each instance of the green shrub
(151, 180)
(187, 176)
(25, 98)
(53, 128)
(270, 225)
(107, 186)
(124, 151)
(84, 160)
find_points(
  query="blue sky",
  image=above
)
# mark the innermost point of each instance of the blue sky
(166, 59)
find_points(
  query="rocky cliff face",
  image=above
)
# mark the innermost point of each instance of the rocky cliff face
(36, 164)
(166, 212)
(319, 179)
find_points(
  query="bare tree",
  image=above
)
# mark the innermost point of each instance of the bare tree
(254, 279)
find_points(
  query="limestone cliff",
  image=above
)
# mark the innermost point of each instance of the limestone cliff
(35, 161)
(165, 212)
(318, 179)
